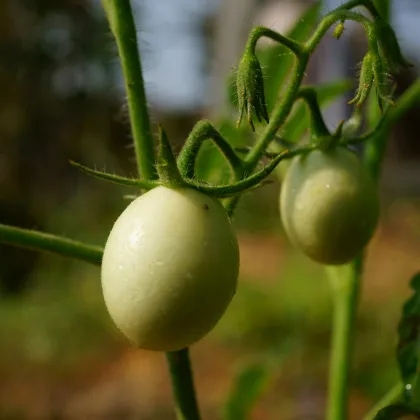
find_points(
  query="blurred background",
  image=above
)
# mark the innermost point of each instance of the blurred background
(62, 98)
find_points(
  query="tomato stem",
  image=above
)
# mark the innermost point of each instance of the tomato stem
(339, 15)
(368, 4)
(345, 282)
(186, 405)
(120, 17)
(201, 132)
(40, 241)
(318, 128)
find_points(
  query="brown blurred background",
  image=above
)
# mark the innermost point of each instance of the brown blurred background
(61, 98)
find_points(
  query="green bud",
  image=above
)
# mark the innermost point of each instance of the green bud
(372, 72)
(390, 47)
(338, 30)
(250, 89)
(365, 80)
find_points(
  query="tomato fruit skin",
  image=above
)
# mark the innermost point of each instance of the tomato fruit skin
(170, 268)
(329, 205)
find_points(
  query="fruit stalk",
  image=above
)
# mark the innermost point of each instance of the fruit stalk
(345, 281)
(182, 384)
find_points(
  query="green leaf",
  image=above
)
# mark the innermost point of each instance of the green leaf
(396, 411)
(408, 337)
(249, 386)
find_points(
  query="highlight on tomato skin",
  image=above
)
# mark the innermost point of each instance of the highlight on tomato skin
(329, 205)
(170, 268)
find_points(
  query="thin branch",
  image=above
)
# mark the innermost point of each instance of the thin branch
(39, 241)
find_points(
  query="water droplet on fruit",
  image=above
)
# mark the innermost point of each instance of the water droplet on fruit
(135, 237)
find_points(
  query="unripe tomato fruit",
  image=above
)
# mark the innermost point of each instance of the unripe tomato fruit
(170, 268)
(329, 205)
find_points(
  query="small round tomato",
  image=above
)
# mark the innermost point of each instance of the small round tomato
(329, 205)
(170, 268)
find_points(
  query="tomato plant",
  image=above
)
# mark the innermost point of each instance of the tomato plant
(171, 261)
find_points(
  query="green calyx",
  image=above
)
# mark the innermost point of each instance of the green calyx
(167, 168)
(250, 89)
(175, 173)
(333, 140)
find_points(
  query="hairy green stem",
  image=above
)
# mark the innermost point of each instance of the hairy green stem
(393, 395)
(201, 132)
(337, 16)
(345, 282)
(368, 4)
(261, 31)
(182, 385)
(120, 17)
(39, 241)
(279, 115)
(253, 180)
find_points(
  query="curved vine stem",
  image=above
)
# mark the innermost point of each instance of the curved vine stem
(261, 31)
(201, 132)
(368, 4)
(338, 15)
